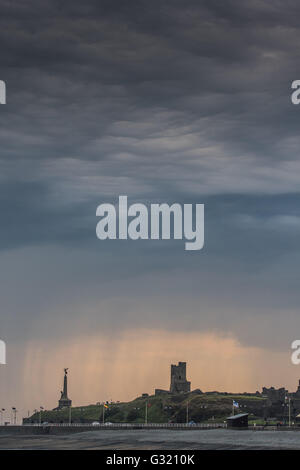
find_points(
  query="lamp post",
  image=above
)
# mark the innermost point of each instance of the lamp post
(40, 419)
(146, 412)
(187, 412)
(103, 415)
(288, 399)
(35, 412)
(1, 411)
(14, 410)
(99, 403)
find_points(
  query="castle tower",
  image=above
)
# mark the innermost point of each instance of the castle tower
(64, 401)
(179, 384)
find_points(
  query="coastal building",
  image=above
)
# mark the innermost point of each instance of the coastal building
(238, 421)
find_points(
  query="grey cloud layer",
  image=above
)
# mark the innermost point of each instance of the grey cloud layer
(169, 101)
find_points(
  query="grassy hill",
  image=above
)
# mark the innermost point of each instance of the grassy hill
(202, 407)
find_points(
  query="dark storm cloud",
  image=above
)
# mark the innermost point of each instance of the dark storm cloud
(195, 70)
(166, 101)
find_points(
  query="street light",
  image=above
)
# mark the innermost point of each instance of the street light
(41, 408)
(289, 405)
(1, 411)
(187, 412)
(14, 410)
(99, 404)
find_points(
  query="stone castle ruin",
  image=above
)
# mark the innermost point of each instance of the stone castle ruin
(178, 383)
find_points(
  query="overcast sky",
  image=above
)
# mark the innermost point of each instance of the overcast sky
(164, 101)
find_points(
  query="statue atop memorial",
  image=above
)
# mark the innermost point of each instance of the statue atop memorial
(64, 401)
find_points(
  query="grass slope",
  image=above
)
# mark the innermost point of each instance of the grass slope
(164, 408)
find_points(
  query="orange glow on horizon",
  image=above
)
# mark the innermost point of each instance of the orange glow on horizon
(125, 365)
